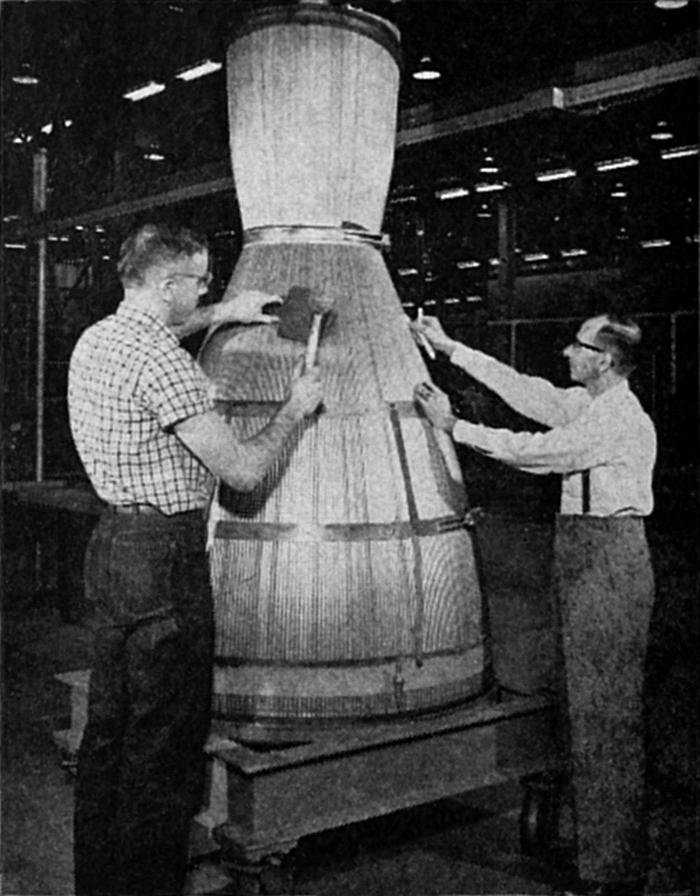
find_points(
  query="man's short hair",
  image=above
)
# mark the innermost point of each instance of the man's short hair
(621, 337)
(155, 245)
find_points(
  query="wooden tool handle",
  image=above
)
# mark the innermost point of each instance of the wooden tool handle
(312, 344)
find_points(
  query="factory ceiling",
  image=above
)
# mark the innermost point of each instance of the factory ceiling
(490, 53)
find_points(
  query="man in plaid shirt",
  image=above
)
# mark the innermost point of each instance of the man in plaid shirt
(143, 420)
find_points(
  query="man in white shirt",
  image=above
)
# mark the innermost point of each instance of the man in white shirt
(603, 444)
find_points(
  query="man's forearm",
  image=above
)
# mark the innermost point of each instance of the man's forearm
(262, 450)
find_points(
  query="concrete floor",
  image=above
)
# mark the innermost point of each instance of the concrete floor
(465, 845)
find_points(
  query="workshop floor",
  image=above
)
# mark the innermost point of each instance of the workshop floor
(465, 845)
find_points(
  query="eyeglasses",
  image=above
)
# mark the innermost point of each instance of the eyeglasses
(576, 342)
(203, 280)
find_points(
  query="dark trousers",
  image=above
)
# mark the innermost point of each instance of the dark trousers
(605, 588)
(141, 761)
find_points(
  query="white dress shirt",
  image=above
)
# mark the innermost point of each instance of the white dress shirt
(609, 435)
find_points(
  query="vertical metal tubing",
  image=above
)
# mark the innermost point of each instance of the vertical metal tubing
(506, 252)
(39, 206)
(674, 352)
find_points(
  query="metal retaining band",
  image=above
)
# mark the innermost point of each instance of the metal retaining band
(303, 233)
(250, 531)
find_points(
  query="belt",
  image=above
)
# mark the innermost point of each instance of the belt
(149, 510)
(136, 509)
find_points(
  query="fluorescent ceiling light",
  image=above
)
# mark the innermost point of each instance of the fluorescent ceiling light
(670, 4)
(489, 166)
(25, 75)
(468, 264)
(555, 174)
(573, 253)
(661, 131)
(536, 256)
(619, 192)
(654, 244)
(473, 298)
(426, 70)
(398, 199)
(406, 272)
(451, 193)
(429, 303)
(154, 157)
(53, 238)
(680, 152)
(612, 164)
(198, 70)
(15, 245)
(489, 188)
(451, 300)
(140, 93)
(494, 261)
(68, 123)
(47, 128)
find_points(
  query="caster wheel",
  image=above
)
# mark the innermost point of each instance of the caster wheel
(276, 880)
(538, 819)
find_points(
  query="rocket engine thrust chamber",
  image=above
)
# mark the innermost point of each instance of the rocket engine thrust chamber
(345, 584)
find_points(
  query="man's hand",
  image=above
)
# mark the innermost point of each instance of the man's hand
(246, 307)
(305, 393)
(431, 329)
(435, 405)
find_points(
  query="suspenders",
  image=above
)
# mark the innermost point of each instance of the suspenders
(586, 491)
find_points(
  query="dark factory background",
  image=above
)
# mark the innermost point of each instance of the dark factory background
(546, 163)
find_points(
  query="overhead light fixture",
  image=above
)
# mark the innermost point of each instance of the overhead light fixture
(140, 93)
(670, 4)
(426, 71)
(451, 193)
(573, 253)
(198, 70)
(407, 272)
(397, 200)
(484, 211)
(25, 75)
(470, 263)
(15, 245)
(489, 188)
(154, 156)
(661, 131)
(68, 123)
(680, 152)
(612, 164)
(536, 256)
(654, 244)
(619, 192)
(555, 174)
(47, 128)
(451, 300)
(489, 166)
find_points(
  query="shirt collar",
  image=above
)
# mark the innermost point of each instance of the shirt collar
(146, 319)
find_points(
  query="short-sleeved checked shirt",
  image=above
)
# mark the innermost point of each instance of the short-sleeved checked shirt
(129, 383)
